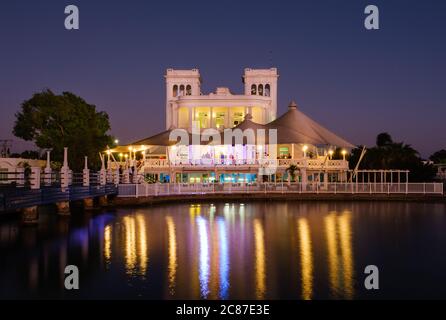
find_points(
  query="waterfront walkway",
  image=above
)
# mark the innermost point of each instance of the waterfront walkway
(19, 198)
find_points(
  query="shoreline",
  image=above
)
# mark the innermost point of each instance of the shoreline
(141, 201)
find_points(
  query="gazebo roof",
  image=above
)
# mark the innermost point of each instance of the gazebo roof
(297, 127)
(164, 138)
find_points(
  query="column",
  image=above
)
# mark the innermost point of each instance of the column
(325, 180)
(103, 173)
(227, 120)
(35, 178)
(48, 170)
(86, 174)
(304, 178)
(191, 117)
(65, 171)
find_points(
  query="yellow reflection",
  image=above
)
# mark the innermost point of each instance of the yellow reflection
(135, 248)
(340, 254)
(194, 210)
(108, 243)
(142, 242)
(172, 254)
(260, 259)
(306, 259)
(130, 244)
(345, 235)
(330, 232)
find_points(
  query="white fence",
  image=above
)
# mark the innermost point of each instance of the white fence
(158, 189)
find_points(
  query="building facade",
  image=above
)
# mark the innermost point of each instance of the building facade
(302, 150)
(221, 109)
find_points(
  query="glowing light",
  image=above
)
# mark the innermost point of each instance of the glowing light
(116, 141)
(131, 148)
(204, 257)
(344, 152)
(126, 156)
(304, 148)
(260, 259)
(330, 152)
(306, 259)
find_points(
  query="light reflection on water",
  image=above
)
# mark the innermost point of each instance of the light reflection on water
(306, 259)
(223, 251)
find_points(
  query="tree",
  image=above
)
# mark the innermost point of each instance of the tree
(57, 121)
(388, 154)
(383, 139)
(439, 156)
(28, 154)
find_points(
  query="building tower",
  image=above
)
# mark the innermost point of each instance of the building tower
(263, 82)
(180, 83)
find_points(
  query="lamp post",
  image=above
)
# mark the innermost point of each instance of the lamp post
(344, 152)
(304, 149)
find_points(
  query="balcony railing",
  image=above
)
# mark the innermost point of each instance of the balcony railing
(283, 163)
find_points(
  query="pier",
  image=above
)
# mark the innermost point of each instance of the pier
(26, 189)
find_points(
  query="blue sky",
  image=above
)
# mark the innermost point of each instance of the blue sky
(356, 82)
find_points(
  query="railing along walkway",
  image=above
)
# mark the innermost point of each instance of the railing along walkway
(157, 189)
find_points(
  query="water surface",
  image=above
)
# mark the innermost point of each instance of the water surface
(258, 250)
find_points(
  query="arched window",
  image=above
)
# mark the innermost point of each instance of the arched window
(188, 90)
(260, 89)
(175, 91)
(182, 90)
(267, 90)
(253, 89)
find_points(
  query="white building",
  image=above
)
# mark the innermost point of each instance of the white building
(301, 143)
(221, 109)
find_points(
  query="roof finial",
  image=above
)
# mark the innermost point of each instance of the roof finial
(292, 105)
(248, 117)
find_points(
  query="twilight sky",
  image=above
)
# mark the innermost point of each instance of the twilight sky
(356, 82)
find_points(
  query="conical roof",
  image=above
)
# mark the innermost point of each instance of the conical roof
(164, 138)
(302, 129)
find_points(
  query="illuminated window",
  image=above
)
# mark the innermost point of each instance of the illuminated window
(267, 90)
(175, 91)
(182, 90)
(188, 90)
(260, 89)
(237, 118)
(253, 90)
(203, 118)
(220, 119)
